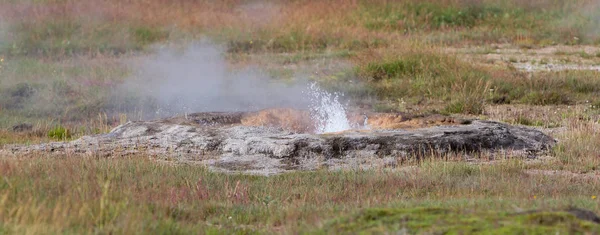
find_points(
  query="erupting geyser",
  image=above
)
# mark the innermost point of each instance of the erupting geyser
(326, 111)
(237, 129)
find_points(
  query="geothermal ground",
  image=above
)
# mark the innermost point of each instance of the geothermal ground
(299, 117)
(280, 140)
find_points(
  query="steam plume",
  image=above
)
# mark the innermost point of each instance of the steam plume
(198, 80)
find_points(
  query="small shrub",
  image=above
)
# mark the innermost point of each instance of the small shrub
(59, 133)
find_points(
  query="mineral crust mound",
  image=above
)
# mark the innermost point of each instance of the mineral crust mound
(270, 142)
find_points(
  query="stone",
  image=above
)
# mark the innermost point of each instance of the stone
(221, 142)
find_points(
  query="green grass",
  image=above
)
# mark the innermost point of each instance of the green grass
(418, 16)
(295, 41)
(548, 88)
(136, 195)
(429, 78)
(369, 24)
(378, 24)
(578, 150)
(484, 21)
(445, 221)
(59, 133)
(66, 37)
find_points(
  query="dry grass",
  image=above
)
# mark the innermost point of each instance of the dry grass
(135, 195)
(420, 75)
(115, 27)
(575, 127)
(579, 150)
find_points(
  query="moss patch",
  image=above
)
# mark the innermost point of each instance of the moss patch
(447, 221)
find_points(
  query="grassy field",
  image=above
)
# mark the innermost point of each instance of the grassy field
(137, 195)
(62, 64)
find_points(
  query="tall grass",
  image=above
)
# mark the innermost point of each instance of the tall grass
(579, 148)
(421, 74)
(427, 76)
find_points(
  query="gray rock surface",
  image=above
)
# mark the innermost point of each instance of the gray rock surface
(228, 147)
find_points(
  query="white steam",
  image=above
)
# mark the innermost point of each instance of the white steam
(198, 80)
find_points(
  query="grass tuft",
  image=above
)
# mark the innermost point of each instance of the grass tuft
(59, 133)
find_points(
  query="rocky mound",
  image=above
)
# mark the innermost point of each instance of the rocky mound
(221, 141)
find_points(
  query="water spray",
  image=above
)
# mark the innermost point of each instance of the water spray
(328, 114)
